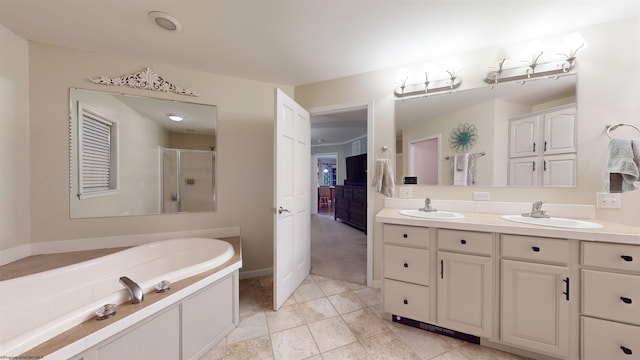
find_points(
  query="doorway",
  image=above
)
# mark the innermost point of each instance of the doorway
(338, 250)
(424, 160)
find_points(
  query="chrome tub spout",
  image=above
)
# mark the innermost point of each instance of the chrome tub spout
(137, 296)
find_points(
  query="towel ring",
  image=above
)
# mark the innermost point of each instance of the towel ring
(384, 151)
(613, 127)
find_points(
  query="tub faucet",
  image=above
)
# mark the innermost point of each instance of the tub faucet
(137, 296)
(536, 211)
(427, 206)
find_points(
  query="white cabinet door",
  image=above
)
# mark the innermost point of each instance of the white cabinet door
(535, 306)
(465, 288)
(158, 338)
(523, 171)
(559, 170)
(523, 136)
(207, 317)
(560, 131)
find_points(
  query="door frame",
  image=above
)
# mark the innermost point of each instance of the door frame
(368, 105)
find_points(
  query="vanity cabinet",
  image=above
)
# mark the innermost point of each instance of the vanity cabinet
(465, 281)
(610, 312)
(535, 293)
(406, 270)
(542, 148)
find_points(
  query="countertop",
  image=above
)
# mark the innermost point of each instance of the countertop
(611, 232)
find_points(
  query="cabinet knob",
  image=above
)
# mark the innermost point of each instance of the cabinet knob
(463, 241)
(626, 350)
(535, 248)
(405, 301)
(627, 257)
(405, 236)
(406, 265)
(626, 300)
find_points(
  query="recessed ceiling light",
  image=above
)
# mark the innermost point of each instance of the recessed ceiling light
(175, 117)
(165, 21)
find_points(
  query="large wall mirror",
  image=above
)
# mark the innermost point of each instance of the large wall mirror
(525, 134)
(133, 155)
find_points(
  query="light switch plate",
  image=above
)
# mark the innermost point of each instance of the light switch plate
(608, 201)
(481, 195)
(404, 192)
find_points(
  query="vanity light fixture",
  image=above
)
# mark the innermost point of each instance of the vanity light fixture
(564, 62)
(173, 117)
(165, 21)
(431, 80)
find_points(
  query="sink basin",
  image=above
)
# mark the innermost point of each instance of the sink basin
(439, 215)
(553, 221)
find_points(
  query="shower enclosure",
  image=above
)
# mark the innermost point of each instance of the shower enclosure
(188, 183)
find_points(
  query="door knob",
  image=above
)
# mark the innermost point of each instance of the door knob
(281, 210)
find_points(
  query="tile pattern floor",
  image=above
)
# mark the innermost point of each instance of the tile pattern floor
(329, 319)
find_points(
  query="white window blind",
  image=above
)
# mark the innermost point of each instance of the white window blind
(98, 153)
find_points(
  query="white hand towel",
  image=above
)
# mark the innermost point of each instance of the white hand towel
(383, 178)
(622, 170)
(460, 169)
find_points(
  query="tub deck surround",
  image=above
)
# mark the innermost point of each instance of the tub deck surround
(611, 232)
(91, 332)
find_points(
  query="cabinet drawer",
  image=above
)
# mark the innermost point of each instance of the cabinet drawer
(612, 256)
(602, 339)
(535, 248)
(611, 296)
(406, 235)
(466, 241)
(406, 300)
(406, 264)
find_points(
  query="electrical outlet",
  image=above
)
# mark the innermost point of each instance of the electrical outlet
(404, 192)
(608, 201)
(481, 196)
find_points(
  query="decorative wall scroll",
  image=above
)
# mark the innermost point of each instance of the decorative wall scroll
(144, 79)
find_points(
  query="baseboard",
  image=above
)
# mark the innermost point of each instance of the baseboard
(377, 284)
(107, 242)
(250, 274)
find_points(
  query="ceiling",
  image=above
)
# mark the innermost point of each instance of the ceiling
(300, 42)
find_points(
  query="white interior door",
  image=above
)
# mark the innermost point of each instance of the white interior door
(292, 199)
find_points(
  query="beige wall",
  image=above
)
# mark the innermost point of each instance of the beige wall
(244, 145)
(608, 89)
(14, 140)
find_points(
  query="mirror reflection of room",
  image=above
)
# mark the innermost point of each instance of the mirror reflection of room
(134, 155)
(512, 123)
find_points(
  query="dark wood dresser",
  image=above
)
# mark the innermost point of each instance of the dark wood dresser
(351, 205)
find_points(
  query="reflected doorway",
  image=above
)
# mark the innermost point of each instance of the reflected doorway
(424, 160)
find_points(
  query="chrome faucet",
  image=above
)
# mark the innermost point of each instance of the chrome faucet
(427, 206)
(137, 296)
(536, 211)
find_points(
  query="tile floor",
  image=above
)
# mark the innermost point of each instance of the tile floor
(329, 319)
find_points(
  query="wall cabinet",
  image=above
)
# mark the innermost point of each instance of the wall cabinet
(542, 148)
(610, 318)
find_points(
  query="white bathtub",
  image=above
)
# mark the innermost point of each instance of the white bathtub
(37, 307)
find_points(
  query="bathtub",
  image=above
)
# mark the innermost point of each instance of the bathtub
(37, 307)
